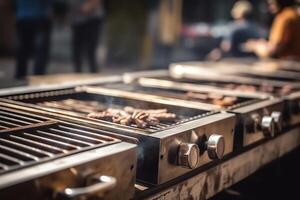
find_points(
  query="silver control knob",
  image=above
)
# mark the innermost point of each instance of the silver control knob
(277, 117)
(215, 146)
(188, 155)
(268, 126)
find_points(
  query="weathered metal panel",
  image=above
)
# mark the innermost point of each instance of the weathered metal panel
(220, 177)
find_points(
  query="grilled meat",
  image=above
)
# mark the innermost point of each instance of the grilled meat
(124, 120)
(199, 96)
(105, 115)
(139, 117)
(142, 118)
(152, 121)
(225, 102)
(214, 98)
(163, 116)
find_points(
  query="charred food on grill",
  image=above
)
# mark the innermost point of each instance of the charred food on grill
(216, 99)
(140, 117)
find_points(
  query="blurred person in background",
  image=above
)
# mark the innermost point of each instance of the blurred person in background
(242, 29)
(167, 31)
(33, 26)
(87, 19)
(284, 38)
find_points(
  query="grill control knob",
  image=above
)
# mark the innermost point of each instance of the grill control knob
(268, 126)
(277, 117)
(188, 155)
(215, 146)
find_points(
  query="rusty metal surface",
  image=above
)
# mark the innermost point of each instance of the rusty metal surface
(220, 177)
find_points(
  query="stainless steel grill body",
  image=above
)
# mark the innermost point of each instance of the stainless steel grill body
(242, 75)
(251, 109)
(50, 180)
(250, 119)
(162, 153)
(40, 158)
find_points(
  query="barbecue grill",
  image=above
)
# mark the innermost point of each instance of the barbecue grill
(42, 158)
(166, 150)
(287, 87)
(259, 114)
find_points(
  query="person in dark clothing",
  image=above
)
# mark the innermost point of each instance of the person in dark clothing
(242, 29)
(87, 19)
(33, 26)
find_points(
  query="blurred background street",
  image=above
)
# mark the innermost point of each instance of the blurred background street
(130, 35)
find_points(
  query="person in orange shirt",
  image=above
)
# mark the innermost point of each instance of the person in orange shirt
(284, 39)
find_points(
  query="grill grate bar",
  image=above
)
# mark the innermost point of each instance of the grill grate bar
(63, 138)
(58, 105)
(3, 166)
(82, 137)
(3, 127)
(20, 116)
(22, 113)
(51, 141)
(26, 139)
(152, 128)
(10, 160)
(8, 124)
(161, 125)
(102, 138)
(26, 156)
(41, 153)
(15, 120)
(40, 145)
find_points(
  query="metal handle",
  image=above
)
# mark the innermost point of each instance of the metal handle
(104, 183)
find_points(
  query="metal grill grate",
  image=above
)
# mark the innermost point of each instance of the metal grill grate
(86, 102)
(78, 109)
(10, 119)
(26, 140)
